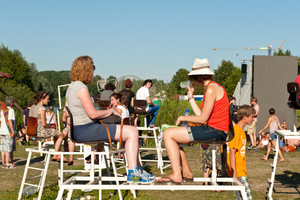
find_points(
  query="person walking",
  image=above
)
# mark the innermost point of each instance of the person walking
(274, 124)
(252, 128)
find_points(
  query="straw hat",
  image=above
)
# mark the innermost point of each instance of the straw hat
(201, 67)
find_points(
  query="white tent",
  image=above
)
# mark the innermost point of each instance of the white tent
(243, 90)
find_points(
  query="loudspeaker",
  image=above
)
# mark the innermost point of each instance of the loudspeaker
(244, 68)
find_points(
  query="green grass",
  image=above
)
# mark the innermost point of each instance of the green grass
(287, 179)
(287, 184)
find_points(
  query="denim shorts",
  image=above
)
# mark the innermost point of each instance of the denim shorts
(93, 132)
(273, 136)
(203, 133)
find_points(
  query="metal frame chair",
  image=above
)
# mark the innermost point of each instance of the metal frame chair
(70, 184)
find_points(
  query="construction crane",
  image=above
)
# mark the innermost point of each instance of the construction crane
(268, 47)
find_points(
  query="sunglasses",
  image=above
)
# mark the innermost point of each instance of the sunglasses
(94, 67)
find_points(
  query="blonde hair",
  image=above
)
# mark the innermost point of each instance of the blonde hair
(82, 70)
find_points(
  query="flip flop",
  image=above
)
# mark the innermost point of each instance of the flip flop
(188, 179)
(58, 160)
(170, 180)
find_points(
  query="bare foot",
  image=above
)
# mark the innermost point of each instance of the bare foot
(281, 160)
(170, 178)
(57, 158)
(188, 176)
(264, 158)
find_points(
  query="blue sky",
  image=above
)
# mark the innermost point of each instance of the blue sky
(148, 39)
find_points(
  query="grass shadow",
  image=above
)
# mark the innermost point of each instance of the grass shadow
(289, 180)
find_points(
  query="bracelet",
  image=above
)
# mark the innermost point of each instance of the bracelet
(112, 112)
(189, 98)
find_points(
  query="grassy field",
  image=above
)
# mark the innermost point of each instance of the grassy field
(287, 185)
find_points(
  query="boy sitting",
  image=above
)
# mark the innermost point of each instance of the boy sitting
(236, 150)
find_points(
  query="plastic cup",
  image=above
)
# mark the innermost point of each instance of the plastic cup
(185, 83)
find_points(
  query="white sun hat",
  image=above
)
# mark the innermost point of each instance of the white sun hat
(201, 67)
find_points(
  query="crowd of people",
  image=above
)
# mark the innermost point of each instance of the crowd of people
(212, 121)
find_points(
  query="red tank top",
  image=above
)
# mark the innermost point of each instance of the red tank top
(219, 118)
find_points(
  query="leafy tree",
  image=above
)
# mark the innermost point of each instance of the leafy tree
(93, 86)
(21, 94)
(111, 79)
(281, 53)
(232, 80)
(180, 75)
(12, 62)
(228, 76)
(49, 80)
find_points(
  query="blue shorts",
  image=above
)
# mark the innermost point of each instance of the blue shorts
(93, 132)
(273, 136)
(203, 133)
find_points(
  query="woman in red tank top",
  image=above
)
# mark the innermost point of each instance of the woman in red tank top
(214, 113)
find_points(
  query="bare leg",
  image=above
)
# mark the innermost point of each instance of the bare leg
(186, 170)
(279, 151)
(7, 155)
(173, 136)
(66, 145)
(57, 143)
(3, 157)
(206, 175)
(71, 149)
(268, 151)
(254, 139)
(130, 136)
(251, 138)
(11, 155)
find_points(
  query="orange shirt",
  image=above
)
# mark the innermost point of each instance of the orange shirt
(219, 118)
(238, 143)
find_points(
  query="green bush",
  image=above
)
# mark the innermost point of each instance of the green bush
(170, 110)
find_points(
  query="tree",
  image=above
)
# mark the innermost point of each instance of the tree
(49, 80)
(180, 75)
(12, 62)
(111, 79)
(280, 53)
(227, 75)
(20, 84)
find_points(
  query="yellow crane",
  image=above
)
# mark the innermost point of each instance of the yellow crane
(268, 46)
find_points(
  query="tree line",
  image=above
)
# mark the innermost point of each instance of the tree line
(26, 80)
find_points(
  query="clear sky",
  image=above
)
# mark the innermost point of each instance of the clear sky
(145, 38)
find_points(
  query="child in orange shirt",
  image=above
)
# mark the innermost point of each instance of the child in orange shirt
(236, 149)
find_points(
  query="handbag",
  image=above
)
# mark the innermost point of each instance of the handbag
(111, 119)
(191, 124)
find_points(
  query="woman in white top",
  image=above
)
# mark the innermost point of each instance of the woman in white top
(51, 117)
(117, 100)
